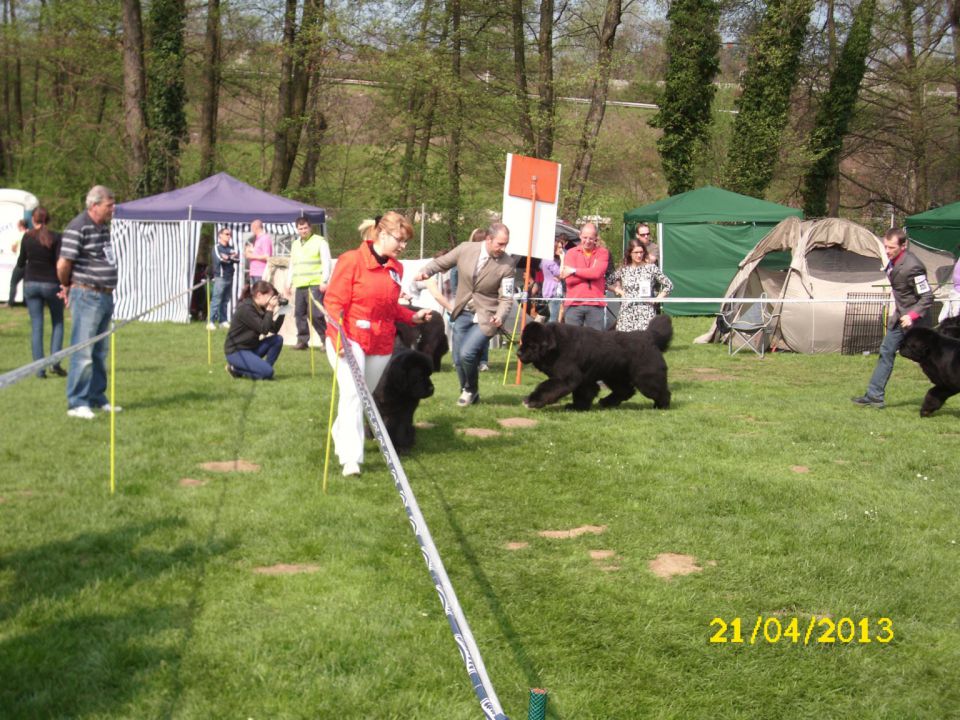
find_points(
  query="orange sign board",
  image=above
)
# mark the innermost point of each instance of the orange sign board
(522, 171)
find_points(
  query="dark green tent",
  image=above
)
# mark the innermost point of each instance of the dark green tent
(937, 228)
(703, 235)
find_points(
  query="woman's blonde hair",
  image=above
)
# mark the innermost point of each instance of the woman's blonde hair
(391, 222)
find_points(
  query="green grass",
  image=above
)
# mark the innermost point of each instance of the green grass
(144, 604)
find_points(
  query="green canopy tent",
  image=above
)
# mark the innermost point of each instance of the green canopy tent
(703, 235)
(937, 228)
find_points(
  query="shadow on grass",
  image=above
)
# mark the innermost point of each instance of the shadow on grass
(195, 607)
(58, 570)
(178, 399)
(84, 665)
(522, 657)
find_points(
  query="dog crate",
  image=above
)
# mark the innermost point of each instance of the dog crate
(863, 322)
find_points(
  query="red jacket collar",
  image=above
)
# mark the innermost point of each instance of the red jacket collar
(370, 260)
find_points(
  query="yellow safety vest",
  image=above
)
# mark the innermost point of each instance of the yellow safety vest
(307, 262)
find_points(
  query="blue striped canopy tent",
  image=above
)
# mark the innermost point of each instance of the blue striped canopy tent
(157, 238)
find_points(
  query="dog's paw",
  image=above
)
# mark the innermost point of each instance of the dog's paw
(531, 404)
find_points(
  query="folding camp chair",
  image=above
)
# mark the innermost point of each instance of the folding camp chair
(748, 326)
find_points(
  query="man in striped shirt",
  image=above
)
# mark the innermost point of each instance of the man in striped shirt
(87, 270)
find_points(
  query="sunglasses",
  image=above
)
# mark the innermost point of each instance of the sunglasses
(643, 234)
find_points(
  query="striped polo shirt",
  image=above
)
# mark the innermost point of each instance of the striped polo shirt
(88, 246)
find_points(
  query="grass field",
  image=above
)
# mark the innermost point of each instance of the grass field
(794, 502)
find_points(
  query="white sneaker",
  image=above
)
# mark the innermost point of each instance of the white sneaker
(225, 325)
(81, 411)
(467, 398)
(351, 469)
(110, 408)
(483, 367)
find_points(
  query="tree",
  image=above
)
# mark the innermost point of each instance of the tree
(590, 130)
(520, 77)
(836, 108)
(547, 120)
(166, 93)
(765, 102)
(693, 44)
(134, 94)
(210, 104)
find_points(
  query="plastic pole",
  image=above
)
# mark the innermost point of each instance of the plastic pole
(113, 411)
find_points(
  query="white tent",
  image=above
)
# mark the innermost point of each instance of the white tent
(830, 259)
(14, 205)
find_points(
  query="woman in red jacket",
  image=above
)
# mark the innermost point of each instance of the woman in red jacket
(362, 298)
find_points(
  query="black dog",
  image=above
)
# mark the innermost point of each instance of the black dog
(575, 358)
(950, 327)
(429, 338)
(405, 382)
(939, 358)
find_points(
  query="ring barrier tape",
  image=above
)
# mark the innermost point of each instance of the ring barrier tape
(723, 300)
(462, 635)
(14, 376)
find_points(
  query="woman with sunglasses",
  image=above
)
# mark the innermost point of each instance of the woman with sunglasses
(637, 280)
(362, 299)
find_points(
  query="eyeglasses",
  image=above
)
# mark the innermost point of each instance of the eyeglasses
(398, 240)
(646, 234)
(638, 252)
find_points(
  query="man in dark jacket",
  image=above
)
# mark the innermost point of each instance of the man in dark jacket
(912, 297)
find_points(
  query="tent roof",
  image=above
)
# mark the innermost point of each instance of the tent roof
(710, 204)
(946, 216)
(219, 198)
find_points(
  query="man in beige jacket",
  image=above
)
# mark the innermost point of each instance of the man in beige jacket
(482, 304)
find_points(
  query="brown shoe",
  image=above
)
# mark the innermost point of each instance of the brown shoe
(300, 346)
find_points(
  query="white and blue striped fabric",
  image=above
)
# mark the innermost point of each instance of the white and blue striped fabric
(155, 261)
(158, 259)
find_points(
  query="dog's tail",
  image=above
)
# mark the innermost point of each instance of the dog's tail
(660, 331)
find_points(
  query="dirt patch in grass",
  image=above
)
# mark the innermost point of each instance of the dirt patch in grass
(517, 422)
(2, 500)
(424, 424)
(519, 545)
(711, 375)
(479, 432)
(230, 466)
(286, 569)
(800, 469)
(666, 565)
(574, 532)
(599, 556)
(192, 482)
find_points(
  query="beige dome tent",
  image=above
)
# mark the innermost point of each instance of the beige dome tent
(824, 259)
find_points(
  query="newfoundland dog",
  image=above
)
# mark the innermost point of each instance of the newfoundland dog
(405, 382)
(950, 326)
(575, 358)
(939, 358)
(429, 338)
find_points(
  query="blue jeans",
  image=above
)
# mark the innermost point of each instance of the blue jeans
(888, 353)
(220, 300)
(469, 343)
(257, 364)
(36, 295)
(555, 306)
(87, 378)
(585, 316)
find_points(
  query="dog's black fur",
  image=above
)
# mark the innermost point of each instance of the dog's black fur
(939, 357)
(405, 382)
(429, 338)
(575, 358)
(950, 327)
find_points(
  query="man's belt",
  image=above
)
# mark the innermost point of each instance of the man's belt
(95, 288)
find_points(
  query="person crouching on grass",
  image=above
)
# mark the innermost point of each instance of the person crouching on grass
(256, 315)
(363, 296)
